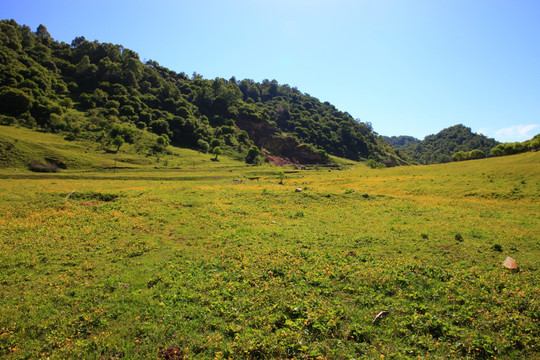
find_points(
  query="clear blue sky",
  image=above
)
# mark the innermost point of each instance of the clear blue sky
(410, 67)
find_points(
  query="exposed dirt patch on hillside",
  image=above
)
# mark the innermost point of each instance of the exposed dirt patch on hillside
(278, 160)
(280, 148)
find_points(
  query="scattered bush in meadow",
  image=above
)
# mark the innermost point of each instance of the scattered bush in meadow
(497, 247)
(281, 177)
(93, 196)
(45, 167)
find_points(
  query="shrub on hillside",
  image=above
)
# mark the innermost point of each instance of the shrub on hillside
(203, 146)
(14, 101)
(254, 156)
(468, 155)
(374, 164)
(516, 147)
(38, 166)
(7, 120)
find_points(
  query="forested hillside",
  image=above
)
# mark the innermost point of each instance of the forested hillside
(441, 147)
(103, 92)
(401, 141)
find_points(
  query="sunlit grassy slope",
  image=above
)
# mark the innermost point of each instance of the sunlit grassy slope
(199, 259)
(20, 146)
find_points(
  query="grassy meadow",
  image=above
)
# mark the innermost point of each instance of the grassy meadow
(193, 259)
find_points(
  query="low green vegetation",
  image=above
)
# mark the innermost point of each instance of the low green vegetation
(177, 256)
(516, 147)
(142, 221)
(468, 155)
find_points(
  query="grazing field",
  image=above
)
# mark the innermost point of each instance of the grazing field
(220, 260)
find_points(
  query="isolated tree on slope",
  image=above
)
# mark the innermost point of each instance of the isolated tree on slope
(118, 141)
(217, 151)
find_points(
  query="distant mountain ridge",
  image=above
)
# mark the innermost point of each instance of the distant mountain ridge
(104, 93)
(440, 147)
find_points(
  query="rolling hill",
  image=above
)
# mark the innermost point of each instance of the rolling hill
(440, 148)
(102, 91)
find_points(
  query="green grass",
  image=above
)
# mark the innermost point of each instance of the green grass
(20, 146)
(218, 260)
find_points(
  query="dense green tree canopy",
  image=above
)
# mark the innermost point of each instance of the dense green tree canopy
(86, 88)
(401, 141)
(441, 147)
